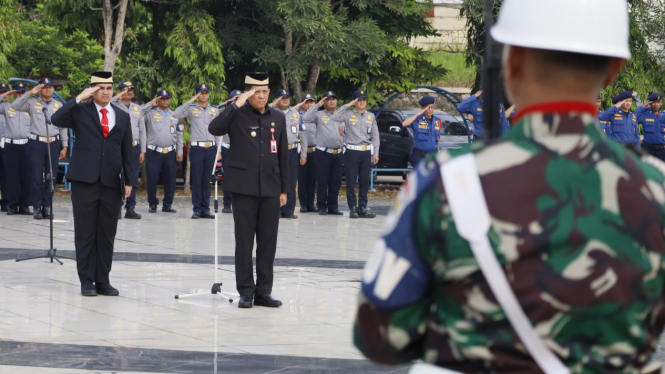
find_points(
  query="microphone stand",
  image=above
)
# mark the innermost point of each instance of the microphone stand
(51, 254)
(216, 286)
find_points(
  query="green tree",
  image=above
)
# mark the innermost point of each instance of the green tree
(41, 52)
(10, 34)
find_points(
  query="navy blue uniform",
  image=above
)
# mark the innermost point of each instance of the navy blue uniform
(426, 133)
(604, 125)
(474, 107)
(653, 127)
(623, 126)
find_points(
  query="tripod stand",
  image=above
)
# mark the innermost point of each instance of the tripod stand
(216, 286)
(51, 254)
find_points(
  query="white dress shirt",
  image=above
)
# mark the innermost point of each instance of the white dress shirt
(110, 115)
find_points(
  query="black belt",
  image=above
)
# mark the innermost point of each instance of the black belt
(653, 147)
(418, 152)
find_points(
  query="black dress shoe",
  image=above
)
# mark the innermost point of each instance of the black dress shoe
(227, 209)
(353, 213)
(88, 290)
(37, 214)
(303, 209)
(290, 216)
(196, 215)
(24, 211)
(266, 300)
(131, 214)
(245, 302)
(311, 209)
(168, 209)
(106, 289)
(364, 213)
(207, 215)
(46, 213)
(11, 212)
(323, 212)
(335, 212)
(153, 209)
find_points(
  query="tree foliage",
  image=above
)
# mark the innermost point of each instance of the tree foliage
(10, 34)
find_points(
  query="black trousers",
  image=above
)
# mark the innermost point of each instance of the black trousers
(96, 210)
(17, 184)
(136, 154)
(307, 181)
(328, 179)
(201, 161)
(4, 195)
(294, 161)
(164, 164)
(38, 159)
(255, 216)
(228, 197)
(358, 165)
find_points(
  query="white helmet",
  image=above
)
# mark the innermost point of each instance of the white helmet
(595, 27)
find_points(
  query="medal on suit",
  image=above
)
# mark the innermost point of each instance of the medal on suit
(273, 142)
(253, 134)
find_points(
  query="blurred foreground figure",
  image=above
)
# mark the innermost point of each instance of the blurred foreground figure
(575, 221)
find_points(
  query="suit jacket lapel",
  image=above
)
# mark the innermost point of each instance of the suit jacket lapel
(92, 110)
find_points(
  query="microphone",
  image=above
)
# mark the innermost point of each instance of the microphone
(47, 117)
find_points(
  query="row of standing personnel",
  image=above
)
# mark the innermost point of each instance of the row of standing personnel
(321, 142)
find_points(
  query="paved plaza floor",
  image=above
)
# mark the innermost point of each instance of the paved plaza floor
(47, 327)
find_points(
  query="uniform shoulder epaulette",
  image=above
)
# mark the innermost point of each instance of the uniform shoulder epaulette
(192, 104)
(214, 106)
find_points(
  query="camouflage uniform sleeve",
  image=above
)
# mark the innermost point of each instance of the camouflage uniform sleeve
(396, 297)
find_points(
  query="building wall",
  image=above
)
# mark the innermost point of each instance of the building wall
(447, 22)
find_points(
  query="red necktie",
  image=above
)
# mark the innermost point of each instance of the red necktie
(105, 122)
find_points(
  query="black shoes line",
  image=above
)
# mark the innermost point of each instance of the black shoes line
(90, 289)
(264, 300)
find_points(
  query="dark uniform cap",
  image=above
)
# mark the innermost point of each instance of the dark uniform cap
(4, 87)
(653, 97)
(125, 84)
(329, 94)
(19, 87)
(307, 97)
(283, 93)
(360, 94)
(622, 96)
(426, 100)
(163, 93)
(202, 87)
(257, 78)
(235, 93)
(46, 81)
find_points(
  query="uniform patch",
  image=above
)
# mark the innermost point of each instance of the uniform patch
(136, 109)
(56, 105)
(196, 109)
(353, 116)
(480, 109)
(38, 103)
(295, 115)
(324, 116)
(650, 120)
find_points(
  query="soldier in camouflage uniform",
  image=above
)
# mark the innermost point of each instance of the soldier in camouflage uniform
(576, 223)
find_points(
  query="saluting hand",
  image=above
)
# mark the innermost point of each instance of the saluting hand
(297, 106)
(477, 94)
(646, 105)
(87, 93)
(619, 104)
(121, 94)
(154, 102)
(242, 99)
(36, 89)
(274, 103)
(322, 102)
(352, 103)
(193, 99)
(7, 94)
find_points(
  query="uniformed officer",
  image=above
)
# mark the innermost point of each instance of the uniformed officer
(622, 122)
(652, 120)
(259, 180)
(16, 156)
(203, 150)
(123, 100)
(328, 153)
(226, 144)
(4, 199)
(297, 139)
(164, 149)
(604, 125)
(566, 223)
(426, 130)
(362, 141)
(474, 106)
(307, 172)
(41, 141)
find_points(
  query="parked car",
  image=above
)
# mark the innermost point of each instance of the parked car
(397, 141)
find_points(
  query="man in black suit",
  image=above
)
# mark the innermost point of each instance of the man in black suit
(258, 177)
(102, 156)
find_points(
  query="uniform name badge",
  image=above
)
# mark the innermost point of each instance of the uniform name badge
(294, 129)
(172, 129)
(273, 142)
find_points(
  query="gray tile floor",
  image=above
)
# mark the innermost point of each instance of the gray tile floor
(40, 302)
